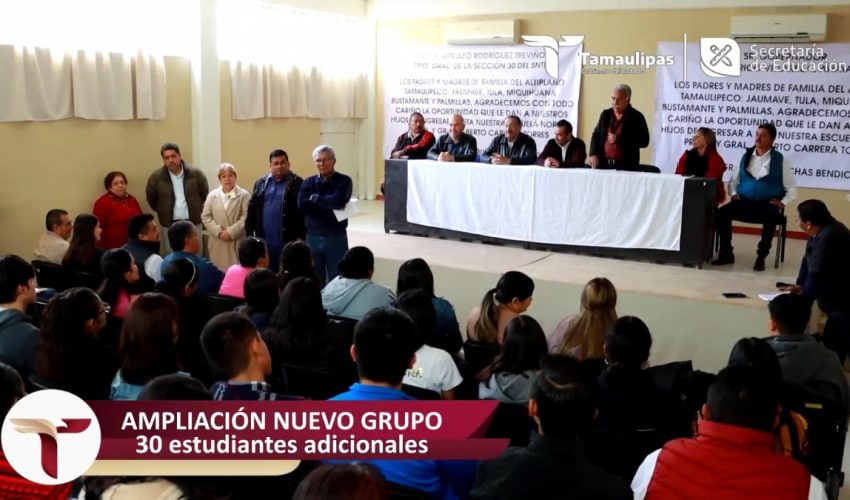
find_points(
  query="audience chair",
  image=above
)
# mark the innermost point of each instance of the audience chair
(50, 275)
(223, 303)
(421, 393)
(512, 422)
(650, 169)
(478, 355)
(83, 279)
(314, 383)
(621, 453)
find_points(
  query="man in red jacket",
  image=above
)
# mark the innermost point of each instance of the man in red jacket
(415, 143)
(732, 456)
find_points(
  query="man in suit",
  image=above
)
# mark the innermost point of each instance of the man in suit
(512, 147)
(416, 142)
(273, 211)
(565, 150)
(620, 133)
(456, 145)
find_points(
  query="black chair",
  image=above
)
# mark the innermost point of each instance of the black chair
(83, 279)
(620, 454)
(313, 382)
(50, 275)
(223, 303)
(478, 355)
(650, 169)
(421, 393)
(781, 235)
(512, 421)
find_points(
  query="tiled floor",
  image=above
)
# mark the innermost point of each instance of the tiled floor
(641, 278)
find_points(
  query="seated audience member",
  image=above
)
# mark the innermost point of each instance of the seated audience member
(628, 397)
(148, 345)
(732, 455)
(175, 386)
(552, 465)
(353, 294)
(180, 282)
(762, 184)
(114, 210)
(83, 253)
(301, 333)
(296, 260)
(703, 160)
(456, 145)
(510, 376)
(71, 355)
(434, 369)
(384, 349)
(415, 143)
(262, 293)
(122, 283)
(357, 481)
(52, 245)
(185, 242)
(512, 146)
(18, 336)
(805, 362)
(163, 388)
(239, 358)
(510, 298)
(565, 150)
(252, 255)
(12, 485)
(143, 245)
(582, 335)
(416, 274)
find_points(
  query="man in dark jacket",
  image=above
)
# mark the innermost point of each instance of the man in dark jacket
(620, 133)
(456, 145)
(552, 465)
(18, 337)
(176, 191)
(825, 272)
(512, 147)
(273, 212)
(143, 244)
(565, 150)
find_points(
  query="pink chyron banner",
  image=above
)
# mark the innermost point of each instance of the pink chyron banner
(296, 430)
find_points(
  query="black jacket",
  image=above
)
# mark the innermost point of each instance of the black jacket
(291, 220)
(633, 137)
(524, 151)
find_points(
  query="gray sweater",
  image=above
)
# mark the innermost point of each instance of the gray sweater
(807, 363)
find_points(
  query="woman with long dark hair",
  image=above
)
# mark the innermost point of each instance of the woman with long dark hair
(122, 283)
(83, 253)
(511, 297)
(296, 260)
(71, 355)
(510, 376)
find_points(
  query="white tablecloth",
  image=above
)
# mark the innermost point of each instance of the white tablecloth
(581, 207)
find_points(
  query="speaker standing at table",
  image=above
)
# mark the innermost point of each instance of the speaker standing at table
(456, 145)
(511, 148)
(620, 134)
(565, 150)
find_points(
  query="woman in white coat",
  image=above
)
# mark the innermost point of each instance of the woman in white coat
(225, 210)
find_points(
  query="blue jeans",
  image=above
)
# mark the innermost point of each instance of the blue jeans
(327, 252)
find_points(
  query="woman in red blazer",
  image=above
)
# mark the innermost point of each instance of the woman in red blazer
(114, 210)
(704, 161)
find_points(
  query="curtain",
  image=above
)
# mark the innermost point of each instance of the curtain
(269, 90)
(51, 84)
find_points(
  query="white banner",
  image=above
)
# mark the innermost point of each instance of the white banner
(802, 89)
(485, 84)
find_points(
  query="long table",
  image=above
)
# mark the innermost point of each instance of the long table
(629, 215)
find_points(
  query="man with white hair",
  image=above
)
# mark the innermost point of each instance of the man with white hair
(320, 195)
(620, 134)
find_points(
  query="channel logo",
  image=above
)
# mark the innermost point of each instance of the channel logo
(51, 437)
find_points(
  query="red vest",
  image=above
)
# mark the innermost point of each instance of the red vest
(729, 462)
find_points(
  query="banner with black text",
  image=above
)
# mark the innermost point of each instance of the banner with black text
(803, 89)
(483, 83)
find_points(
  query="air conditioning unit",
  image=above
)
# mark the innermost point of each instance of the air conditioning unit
(501, 32)
(779, 29)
